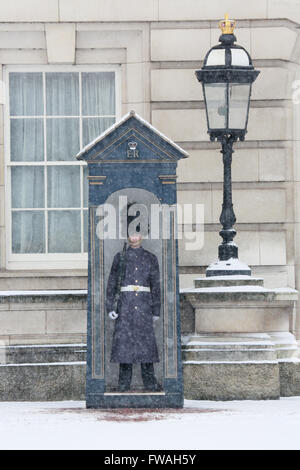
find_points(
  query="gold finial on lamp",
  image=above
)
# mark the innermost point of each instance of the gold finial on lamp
(227, 26)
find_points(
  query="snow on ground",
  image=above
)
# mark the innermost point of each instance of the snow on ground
(200, 425)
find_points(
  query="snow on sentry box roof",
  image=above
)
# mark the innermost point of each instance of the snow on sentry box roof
(132, 113)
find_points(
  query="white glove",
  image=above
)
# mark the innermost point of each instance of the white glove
(155, 318)
(113, 315)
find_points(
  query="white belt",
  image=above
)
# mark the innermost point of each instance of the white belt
(135, 289)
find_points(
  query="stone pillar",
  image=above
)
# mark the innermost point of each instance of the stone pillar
(2, 173)
(296, 98)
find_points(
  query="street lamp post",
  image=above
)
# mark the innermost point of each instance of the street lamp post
(227, 76)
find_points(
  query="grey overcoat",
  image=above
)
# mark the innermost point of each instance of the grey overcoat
(133, 339)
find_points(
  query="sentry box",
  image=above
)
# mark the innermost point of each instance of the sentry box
(133, 335)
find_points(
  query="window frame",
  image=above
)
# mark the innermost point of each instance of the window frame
(44, 261)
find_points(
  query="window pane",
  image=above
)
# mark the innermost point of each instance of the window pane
(85, 231)
(93, 127)
(62, 94)
(216, 103)
(63, 186)
(28, 232)
(27, 140)
(238, 105)
(27, 187)
(64, 231)
(85, 187)
(62, 139)
(65, 195)
(26, 94)
(98, 93)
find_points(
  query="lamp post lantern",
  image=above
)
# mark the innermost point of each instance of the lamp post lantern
(227, 76)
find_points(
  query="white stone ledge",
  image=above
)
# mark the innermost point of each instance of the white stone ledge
(241, 343)
(38, 364)
(36, 293)
(230, 362)
(51, 345)
(237, 277)
(47, 274)
(16, 339)
(247, 289)
(292, 359)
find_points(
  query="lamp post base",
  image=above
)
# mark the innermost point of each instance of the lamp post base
(229, 267)
(228, 250)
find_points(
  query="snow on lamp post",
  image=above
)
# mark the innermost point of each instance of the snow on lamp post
(227, 76)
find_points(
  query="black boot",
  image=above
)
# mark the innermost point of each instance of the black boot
(149, 380)
(125, 375)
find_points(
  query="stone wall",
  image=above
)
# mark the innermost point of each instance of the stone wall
(43, 317)
(158, 45)
(43, 345)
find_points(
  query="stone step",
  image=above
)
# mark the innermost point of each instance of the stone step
(228, 341)
(36, 354)
(286, 345)
(42, 382)
(246, 347)
(231, 381)
(229, 355)
(229, 348)
(227, 281)
(197, 346)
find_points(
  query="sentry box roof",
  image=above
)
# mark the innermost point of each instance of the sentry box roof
(131, 128)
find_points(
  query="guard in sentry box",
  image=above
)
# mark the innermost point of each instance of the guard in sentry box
(134, 288)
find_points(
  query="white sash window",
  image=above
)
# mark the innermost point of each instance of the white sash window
(50, 115)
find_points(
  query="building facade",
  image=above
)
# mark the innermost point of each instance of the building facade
(70, 69)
